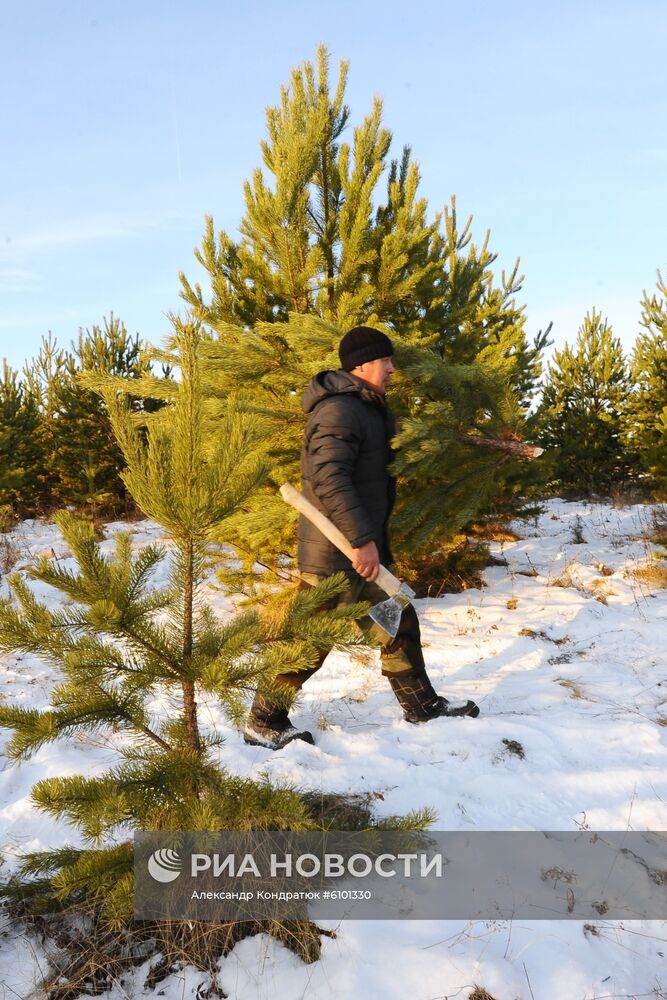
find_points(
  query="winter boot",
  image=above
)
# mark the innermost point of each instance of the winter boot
(420, 703)
(269, 726)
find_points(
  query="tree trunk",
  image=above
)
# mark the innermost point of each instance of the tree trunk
(190, 710)
(189, 703)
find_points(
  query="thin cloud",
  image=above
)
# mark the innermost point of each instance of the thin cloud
(17, 279)
(90, 229)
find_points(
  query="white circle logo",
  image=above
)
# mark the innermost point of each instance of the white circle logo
(164, 866)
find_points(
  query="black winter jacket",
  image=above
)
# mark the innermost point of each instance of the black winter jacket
(347, 449)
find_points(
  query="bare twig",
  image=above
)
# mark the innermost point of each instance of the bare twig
(528, 981)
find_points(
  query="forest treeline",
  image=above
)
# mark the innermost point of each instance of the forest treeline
(601, 417)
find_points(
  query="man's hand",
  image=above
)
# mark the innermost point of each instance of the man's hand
(367, 561)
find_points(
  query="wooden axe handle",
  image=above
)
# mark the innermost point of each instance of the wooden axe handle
(386, 580)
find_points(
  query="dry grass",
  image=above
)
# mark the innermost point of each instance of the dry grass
(532, 634)
(479, 993)
(598, 589)
(653, 575)
(603, 589)
(558, 874)
(9, 554)
(564, 580)
(494, 530)
(575, 690)
(102, 958)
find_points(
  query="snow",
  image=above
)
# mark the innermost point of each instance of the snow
(564, 650)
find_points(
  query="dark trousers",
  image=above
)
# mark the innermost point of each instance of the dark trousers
(401, 655)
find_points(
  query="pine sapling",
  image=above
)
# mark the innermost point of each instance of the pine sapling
(122, 644)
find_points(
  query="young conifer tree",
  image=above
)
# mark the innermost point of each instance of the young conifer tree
(42, 376)
(322, 249)
(646, 414)
(82, 459)
(581, 413)
(120, 641)
(22, 457)
(87, 458)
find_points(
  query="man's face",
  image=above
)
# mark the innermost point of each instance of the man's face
(376, 373)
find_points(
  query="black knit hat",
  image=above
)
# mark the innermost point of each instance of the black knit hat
(361, 344)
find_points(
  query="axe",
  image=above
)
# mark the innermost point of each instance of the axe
(387, 614)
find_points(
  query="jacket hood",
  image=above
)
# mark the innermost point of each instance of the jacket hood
(336, 383)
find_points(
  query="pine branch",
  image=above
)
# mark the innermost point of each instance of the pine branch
(137, 724)
(514, 447)
(172, 662)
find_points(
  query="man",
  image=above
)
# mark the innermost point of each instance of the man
(344, 473)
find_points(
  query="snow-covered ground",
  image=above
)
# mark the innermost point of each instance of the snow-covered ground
(565, 650)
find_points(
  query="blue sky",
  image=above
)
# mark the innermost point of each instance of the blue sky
(123, 124)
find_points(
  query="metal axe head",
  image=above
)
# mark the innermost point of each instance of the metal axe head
(387, 614)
